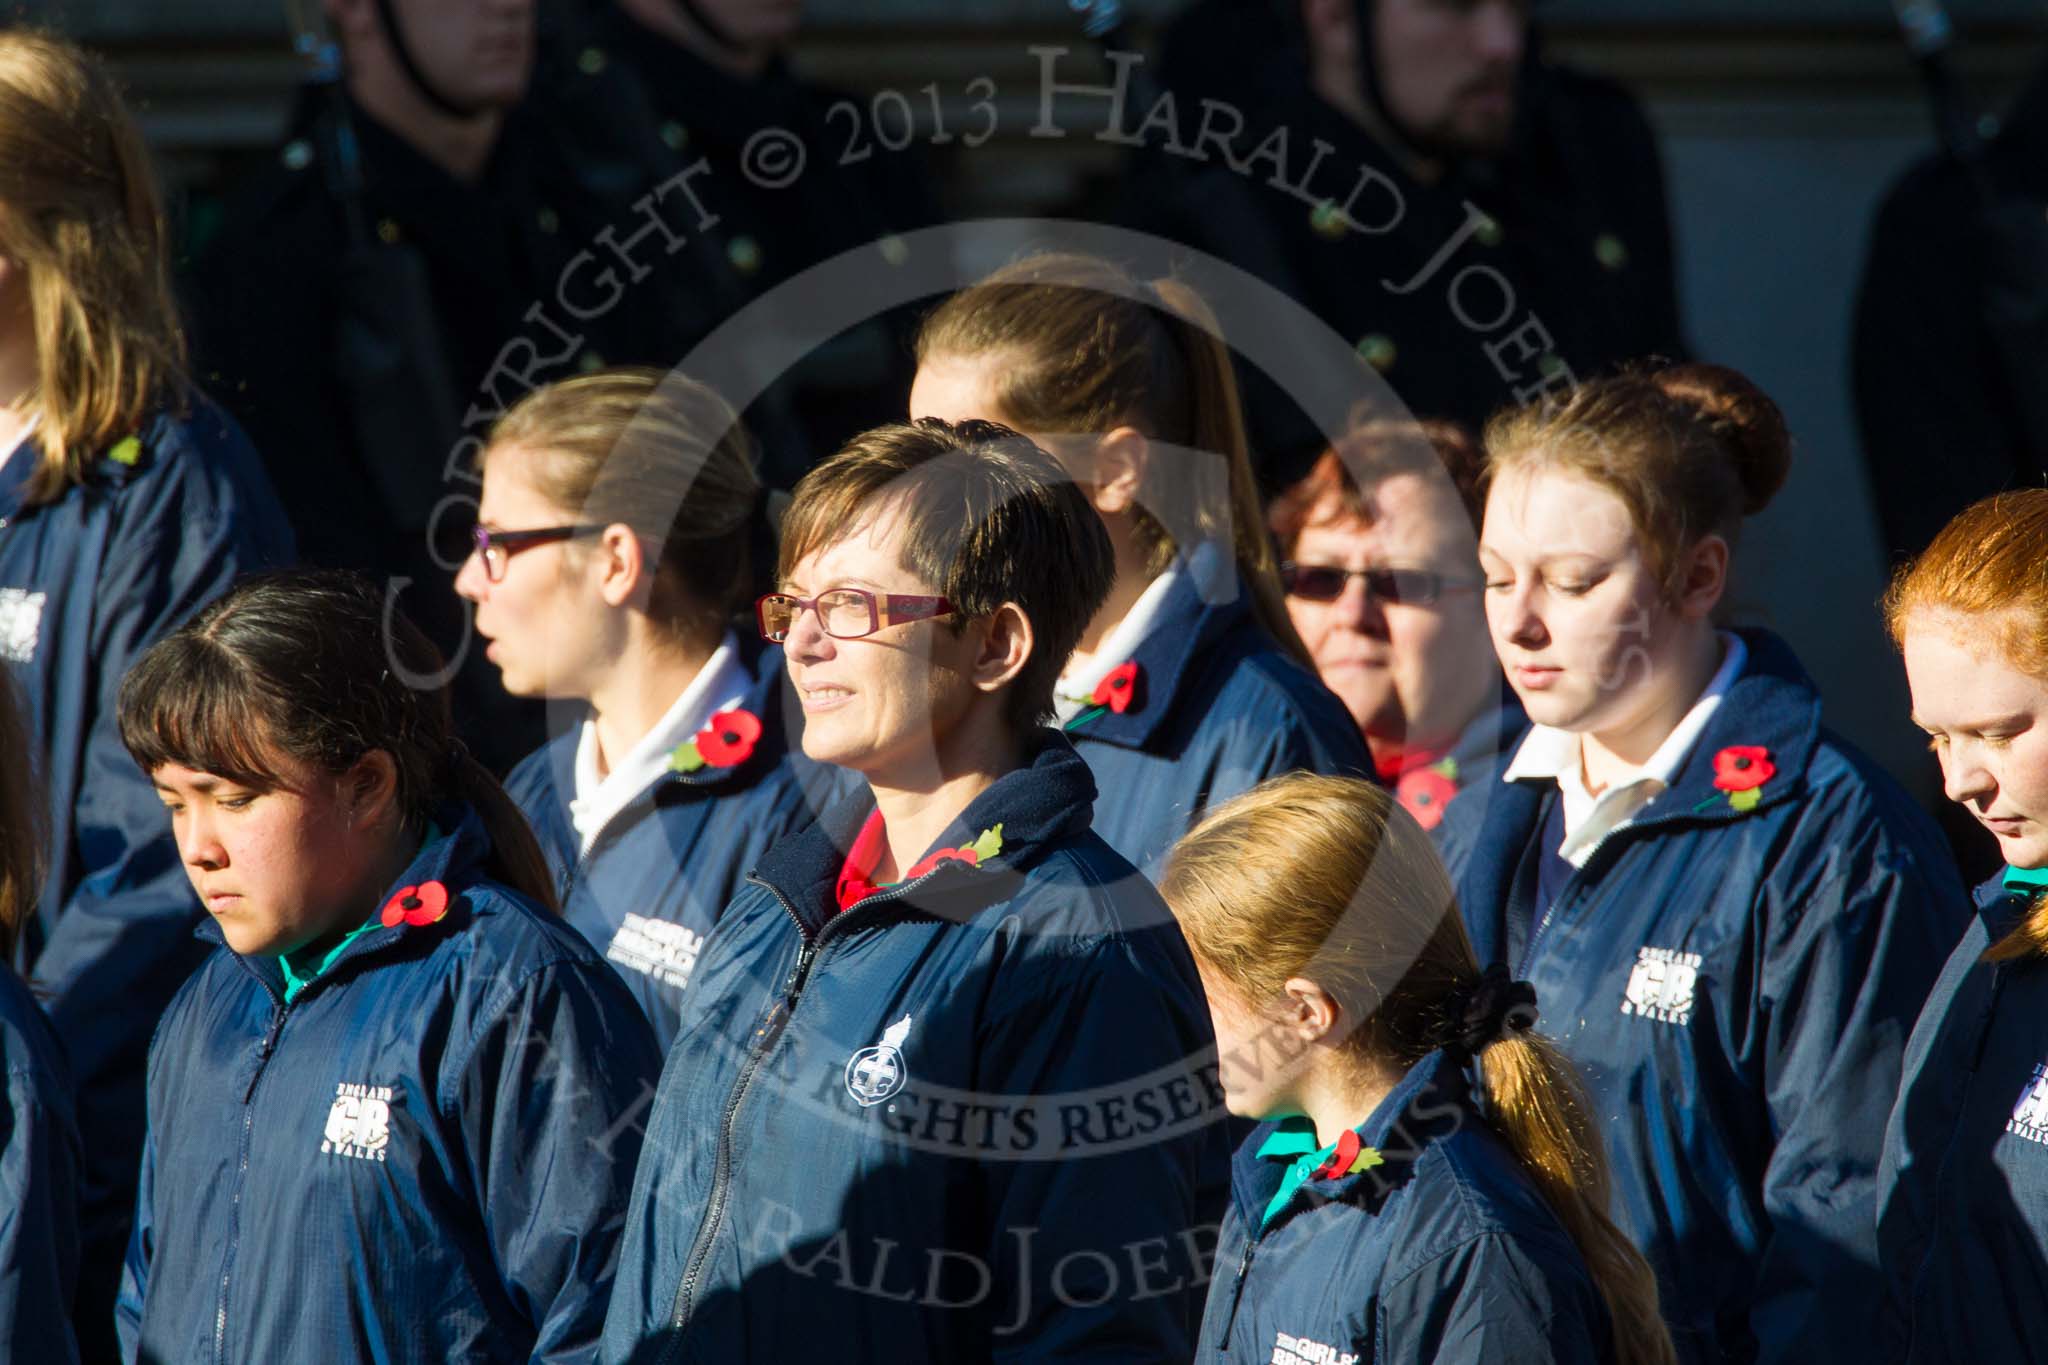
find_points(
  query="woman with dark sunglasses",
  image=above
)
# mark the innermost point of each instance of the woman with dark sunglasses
(614, 526)
(1380, 560)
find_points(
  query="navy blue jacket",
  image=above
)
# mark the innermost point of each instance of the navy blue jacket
(1963, 1191)
(39, 1160)
(661, 871)
(965, 1120)
(423, 1156)
(1444, 1254)
(86, 584)
(1219, 709)
(1737, 987)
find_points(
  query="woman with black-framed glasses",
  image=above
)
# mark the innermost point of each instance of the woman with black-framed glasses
(1380, 560)
(607, 572)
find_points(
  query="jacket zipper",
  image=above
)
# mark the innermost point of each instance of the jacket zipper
(781, 1011)
(227, 1267)
(1244, 1265)
(1571, 884)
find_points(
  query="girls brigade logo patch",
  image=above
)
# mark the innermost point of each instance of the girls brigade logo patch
(875, 1073)
(359, 1123)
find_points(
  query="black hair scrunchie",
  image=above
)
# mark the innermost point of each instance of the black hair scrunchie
(1486, 1011)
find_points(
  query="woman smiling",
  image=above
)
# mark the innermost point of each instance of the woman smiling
(919, 1035)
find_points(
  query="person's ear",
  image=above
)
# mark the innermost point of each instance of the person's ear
(1120, 460)
(1311, 1012)
(1006, 644)
(1703, 578)
(369, 790)
(624, 577)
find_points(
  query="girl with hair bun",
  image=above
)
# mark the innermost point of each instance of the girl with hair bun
(618, 514)
(1427, 1184)
(127, 501)
(1731, 916)
(1190, 684)
(1963, 1212)
(394, 1115)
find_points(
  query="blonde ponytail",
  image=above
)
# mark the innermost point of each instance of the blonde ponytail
(1328, 878)
(1535, 1101)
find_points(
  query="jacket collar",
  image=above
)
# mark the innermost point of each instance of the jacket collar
(1772, 704)
(1046, 801)
(1431, 1101)
(1207, 600)
(456, 861)
(764, 700)
(2002, 906)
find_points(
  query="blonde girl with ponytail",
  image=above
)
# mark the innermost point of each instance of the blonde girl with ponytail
(1426, 1184)
(1190, 683)
(1962, 1234)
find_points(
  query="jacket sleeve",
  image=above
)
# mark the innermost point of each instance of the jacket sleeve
(38, 1223)
(1092, 1231)
(1482, 1301)
(120, 941)
(135, 1271)
(1856, 941)
(552, 1104)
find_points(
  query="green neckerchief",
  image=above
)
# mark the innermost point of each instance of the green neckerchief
(2027, 880)
(300, 970)
(1293, 1141)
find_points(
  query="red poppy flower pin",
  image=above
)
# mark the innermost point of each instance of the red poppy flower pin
(1424, 792)
(1741, 770)
(1121, 689)
(727, 741)
(422, 904)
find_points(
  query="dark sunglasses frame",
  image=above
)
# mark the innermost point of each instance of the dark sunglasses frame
(512, 542)
(884, 609)
(1425, 585)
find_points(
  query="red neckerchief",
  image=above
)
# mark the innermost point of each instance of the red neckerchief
(855, 876)
(1403, 760)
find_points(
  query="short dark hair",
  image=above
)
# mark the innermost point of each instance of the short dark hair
(305, 664)
(990, 518)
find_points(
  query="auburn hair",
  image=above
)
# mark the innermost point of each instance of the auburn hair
(1080, 346)
(1371, 452)
(1989, 564)
(306, 665)
(1328, 878)
(80, 215)
(660, 453)
(1690, 450)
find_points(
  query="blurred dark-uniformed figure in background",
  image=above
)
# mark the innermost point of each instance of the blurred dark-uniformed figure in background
(716, 72)
(1520, 239)
(1951, 397)
(428, 246)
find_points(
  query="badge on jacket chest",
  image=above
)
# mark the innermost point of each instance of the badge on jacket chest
(875, 1073)
(359, 1123)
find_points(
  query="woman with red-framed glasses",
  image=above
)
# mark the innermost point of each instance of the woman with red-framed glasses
(946, 1024)
(607, 572)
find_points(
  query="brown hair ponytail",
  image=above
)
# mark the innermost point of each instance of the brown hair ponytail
(309, 666)
(1330, 879)
(1086, 348)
